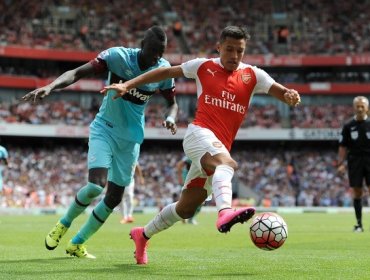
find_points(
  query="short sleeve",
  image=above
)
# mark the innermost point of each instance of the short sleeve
(264, 81)
(190, 68)
(3, 153)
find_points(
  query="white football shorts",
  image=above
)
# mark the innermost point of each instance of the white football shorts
(197, 142)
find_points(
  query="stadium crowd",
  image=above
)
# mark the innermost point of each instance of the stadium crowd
(49, 177)
(324, 116)
(278, 178)
(311, 32)
(95, 25)
(293, 75)
(264, 116)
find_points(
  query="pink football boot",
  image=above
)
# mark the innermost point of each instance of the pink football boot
(229, 217)
(141, 243)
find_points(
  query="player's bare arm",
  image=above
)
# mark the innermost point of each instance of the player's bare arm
(139, 175)
(64, 80)
(288, 96)
(155, 75)
(342, 154)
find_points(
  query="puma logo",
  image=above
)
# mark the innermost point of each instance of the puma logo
(211, 72)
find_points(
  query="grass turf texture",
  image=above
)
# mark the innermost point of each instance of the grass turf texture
(319, 246)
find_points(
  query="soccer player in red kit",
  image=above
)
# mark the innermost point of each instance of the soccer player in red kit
(225, 87)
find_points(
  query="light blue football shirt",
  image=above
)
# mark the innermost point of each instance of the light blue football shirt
(3, 154)
(124, 117)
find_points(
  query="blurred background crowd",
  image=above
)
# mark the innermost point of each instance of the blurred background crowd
(294, 26)
(273, 176)
(263, 116)
(48, 172)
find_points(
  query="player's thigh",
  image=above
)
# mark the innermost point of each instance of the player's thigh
(355, 172)
(201, 141)
(197, 179)
(100, 151)
(210, 162)
(124, 161)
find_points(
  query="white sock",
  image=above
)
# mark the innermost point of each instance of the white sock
(124, 207)
(221, 186)
(130, 205)
(164, 219)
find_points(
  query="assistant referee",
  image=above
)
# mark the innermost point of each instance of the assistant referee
(354, 146)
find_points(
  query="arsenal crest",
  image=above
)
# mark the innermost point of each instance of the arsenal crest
(246, 78)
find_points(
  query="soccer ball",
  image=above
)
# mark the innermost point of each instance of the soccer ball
(268, 231)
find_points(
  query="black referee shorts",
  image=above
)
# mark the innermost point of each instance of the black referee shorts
(358, 170)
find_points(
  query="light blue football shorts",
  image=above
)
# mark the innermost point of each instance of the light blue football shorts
(119, 156)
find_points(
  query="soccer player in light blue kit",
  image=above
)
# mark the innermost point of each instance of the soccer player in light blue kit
(3, 162)
(115, 134)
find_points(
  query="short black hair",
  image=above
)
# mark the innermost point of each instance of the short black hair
(157, 32)
(235, 32)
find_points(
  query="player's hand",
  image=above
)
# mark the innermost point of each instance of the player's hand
(121, 89)
(170, 124)
(341, 169)
(37, 94)
(292, 97)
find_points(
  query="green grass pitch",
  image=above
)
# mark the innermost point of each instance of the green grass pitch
(319, 246)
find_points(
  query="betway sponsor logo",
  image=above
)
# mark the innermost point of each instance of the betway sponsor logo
(226, 101)
(135, 93)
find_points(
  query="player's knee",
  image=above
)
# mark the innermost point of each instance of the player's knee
(233, 164)
(113, 197)
(111, 200)
(98, 176)
(99, 181)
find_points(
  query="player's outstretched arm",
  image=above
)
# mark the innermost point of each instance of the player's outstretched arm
(153, 76)
(64, 80)
(288, 96)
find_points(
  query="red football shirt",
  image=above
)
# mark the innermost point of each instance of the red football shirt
(224, 96)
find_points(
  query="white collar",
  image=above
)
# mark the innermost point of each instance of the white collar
(363, 119)
(218, 61)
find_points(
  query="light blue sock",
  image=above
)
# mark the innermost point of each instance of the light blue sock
(83, 199)
(97, 218)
